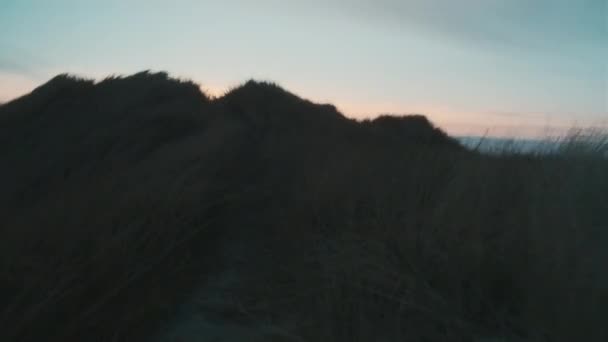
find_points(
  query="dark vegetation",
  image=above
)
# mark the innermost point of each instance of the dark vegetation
(117, 196)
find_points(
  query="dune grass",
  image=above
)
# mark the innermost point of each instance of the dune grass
(453, 248)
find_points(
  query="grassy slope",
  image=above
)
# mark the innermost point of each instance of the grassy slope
(117, 195)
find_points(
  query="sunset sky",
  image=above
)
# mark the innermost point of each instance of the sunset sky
(514, 67)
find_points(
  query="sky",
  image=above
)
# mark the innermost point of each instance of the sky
(516, 67)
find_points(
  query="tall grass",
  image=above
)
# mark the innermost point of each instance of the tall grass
(433, 246)
(585, 142)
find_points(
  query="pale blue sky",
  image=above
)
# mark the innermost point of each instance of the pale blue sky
(512, 66)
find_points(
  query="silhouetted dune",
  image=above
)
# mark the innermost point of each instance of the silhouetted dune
(120, 199)
(411, 128)
(68, 124)
(275, 113)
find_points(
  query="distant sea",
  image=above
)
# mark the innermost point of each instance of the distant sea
(496, 145)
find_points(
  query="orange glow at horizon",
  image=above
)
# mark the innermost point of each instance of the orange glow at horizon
(453, 121)
(14, 86)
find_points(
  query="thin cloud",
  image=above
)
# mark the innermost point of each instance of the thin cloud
(18, 61)
(544, 25)
(518, 115)
(15, 67)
